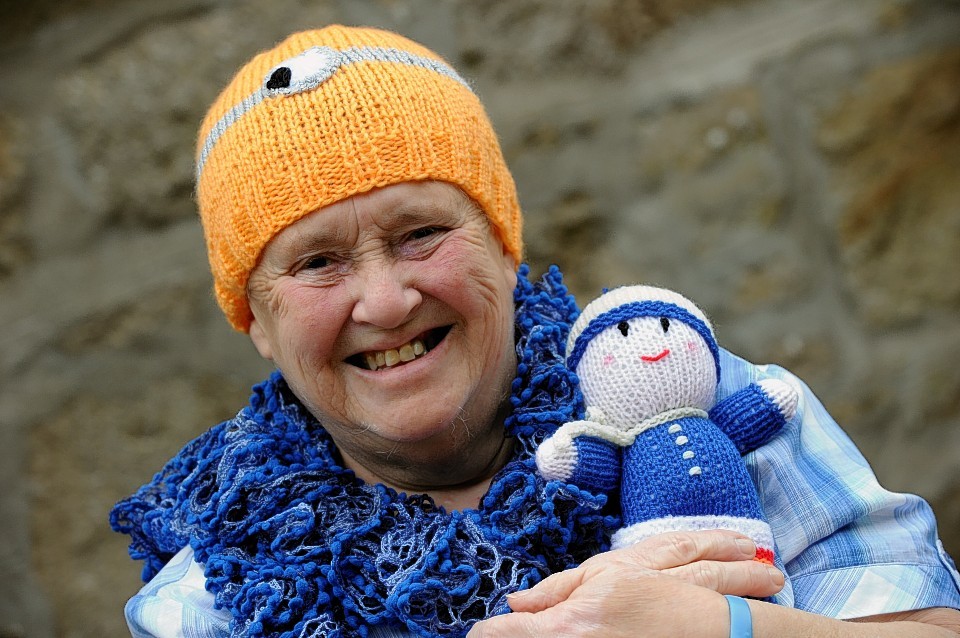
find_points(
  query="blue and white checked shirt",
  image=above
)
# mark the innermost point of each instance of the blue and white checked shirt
(848, 547)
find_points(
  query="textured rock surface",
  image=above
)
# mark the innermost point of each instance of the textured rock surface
(792, 166)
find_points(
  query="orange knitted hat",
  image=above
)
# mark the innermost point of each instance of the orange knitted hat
(328, 114)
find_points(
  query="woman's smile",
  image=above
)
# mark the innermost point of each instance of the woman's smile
(391, 357)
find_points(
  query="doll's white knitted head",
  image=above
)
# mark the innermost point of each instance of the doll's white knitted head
(641, 350)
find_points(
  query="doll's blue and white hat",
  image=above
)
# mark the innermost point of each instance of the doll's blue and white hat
(630, 302)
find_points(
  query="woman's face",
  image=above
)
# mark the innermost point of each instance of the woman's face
(390, 315)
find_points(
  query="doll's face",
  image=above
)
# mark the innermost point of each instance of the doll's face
(640, 367)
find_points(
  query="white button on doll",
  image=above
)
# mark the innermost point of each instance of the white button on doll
(648, 365)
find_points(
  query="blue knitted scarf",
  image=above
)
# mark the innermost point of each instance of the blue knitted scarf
(294, 545)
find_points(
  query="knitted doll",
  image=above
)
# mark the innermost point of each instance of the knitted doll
(649, 367)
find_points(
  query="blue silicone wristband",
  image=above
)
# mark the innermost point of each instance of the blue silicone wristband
(741, 622)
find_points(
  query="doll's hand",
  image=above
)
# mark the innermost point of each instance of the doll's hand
(557, 457)
(782, 394)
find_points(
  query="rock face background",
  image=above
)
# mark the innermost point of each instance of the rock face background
(793, 166)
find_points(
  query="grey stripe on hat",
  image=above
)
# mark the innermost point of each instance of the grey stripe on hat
(334, 60)
(380, 54)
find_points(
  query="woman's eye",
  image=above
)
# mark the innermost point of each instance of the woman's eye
(321, 269)
(665, 324)
(423, 233)
(316, 263)
(623, 327)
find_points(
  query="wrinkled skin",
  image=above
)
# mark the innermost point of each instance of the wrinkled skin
(371, 273)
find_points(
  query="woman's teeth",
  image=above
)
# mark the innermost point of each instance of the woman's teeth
(390, 358)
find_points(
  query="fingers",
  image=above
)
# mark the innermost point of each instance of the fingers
(673, 549)
(740, 578)
(717, 559)
(553, 589)
(508, 625)
(720, 560)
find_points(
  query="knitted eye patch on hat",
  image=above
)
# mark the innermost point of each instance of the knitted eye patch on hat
(648, 366)
(326, 115)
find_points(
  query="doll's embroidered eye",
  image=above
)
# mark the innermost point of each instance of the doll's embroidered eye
(623, 327)
(665, 324)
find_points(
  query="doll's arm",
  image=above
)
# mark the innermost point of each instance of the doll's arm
(756, 413)
(584, 453)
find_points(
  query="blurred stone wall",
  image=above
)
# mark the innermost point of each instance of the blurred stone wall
(793, 166)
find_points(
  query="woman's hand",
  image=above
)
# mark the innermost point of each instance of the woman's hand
(668, 585)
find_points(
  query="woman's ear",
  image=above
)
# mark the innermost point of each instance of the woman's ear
(260, 341)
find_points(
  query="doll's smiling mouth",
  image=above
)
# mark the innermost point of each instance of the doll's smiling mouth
(392, 357)
(656, 357)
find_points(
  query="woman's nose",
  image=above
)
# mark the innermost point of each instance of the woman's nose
(385, 299)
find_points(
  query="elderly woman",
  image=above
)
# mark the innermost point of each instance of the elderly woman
(363, 228)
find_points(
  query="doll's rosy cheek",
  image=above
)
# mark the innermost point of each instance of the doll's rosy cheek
(692, 346)
(608, 359)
